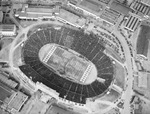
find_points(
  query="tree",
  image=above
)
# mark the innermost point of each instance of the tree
(125, 2)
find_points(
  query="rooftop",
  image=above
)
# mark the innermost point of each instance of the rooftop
(120, 8)
(18, 100)
(5, 92)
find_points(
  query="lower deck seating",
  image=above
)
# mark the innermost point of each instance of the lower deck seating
(30, 59)
(42, 37)
(73, 87)
(36, 39)
(64, 33)
(63, 93)
(91, 92)
(30, 53)
(97, 88)
(47, 34)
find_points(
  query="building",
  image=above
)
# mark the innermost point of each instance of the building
(105, 1)
(91, 5)
(70, 18)
(74, 2)
(143, 44)
(44, 11)
(132, 22)
(7, 81)
(17, 101)
(123, 9)
(28, 12)
(111, 16)
(139, 67)
(6, 92)
(136, 105)
(90, 8)
(11, 100)
(8, 29)
(43, 2)
(140, 7)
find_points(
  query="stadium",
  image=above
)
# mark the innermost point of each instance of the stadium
(66, 61)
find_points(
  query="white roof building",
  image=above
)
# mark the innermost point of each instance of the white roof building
(8, 29)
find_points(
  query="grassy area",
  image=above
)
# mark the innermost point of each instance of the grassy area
(145, 108)
(59, 110)
(4, 54)
(142, 42)
(27, 23)
(5, 42)
(120, 75)
(112, 96)
(3, 111)
(114, 54)
(17, 56)
(5, 47)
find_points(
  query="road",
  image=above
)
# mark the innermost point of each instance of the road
(14, 20)
(128, 92)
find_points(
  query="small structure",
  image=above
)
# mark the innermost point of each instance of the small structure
(139, 67)
(146, 65)
(70, 18)
(8, 29)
